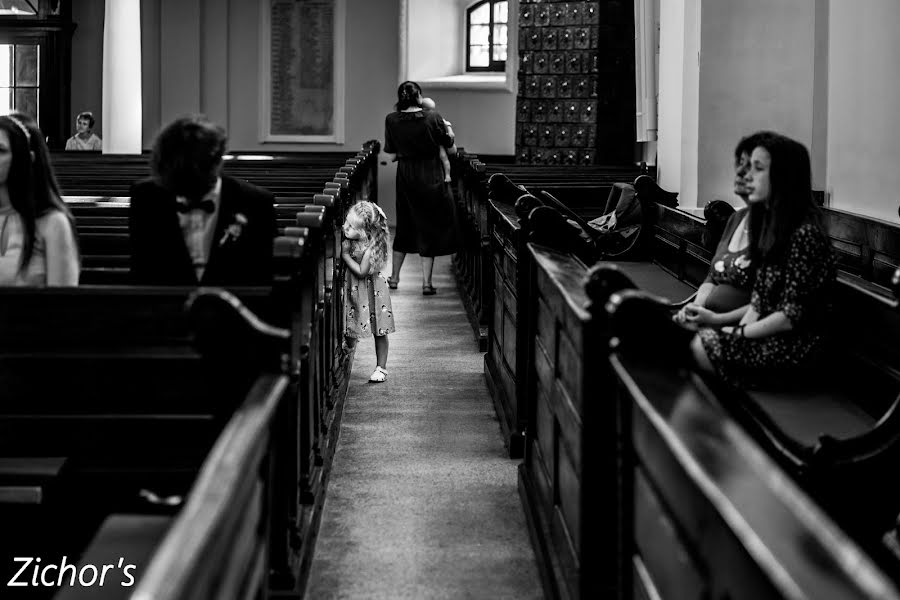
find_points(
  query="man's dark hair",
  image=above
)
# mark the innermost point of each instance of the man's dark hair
(187, 156)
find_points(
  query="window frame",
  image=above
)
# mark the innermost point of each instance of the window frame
(494, 66)
(39, 44)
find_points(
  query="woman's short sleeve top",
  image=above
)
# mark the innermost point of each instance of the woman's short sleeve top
(416, 134)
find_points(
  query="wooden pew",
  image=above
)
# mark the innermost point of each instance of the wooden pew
(567, 481)
(836, 435)
(781, 469)
(217, 546)
(678, 253)
(314, 414)
(672, 263)
(474, 262)
(132, 388)
(322, 367)
(237, 509)
(102, 220)
(296, 176)
(577, 436)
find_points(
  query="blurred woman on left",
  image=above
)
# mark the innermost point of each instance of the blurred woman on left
(37, 233)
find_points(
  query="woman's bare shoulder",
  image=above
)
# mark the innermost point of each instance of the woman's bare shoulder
(54, 221)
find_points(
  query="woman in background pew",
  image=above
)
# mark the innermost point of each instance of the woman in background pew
(723, 297)
(782, 329)
(37, 234)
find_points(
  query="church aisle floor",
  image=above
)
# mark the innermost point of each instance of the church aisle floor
(422, 501)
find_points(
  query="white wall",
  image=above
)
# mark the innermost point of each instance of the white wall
(483, 119)
(756, 72)
(690, 103)
(203, 55)
(433, 33)
(863, 96)
(819, 148)
(671, 87)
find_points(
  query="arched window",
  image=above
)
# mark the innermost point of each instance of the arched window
(486, 35)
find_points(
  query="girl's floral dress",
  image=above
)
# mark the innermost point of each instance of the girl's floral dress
(367, 301)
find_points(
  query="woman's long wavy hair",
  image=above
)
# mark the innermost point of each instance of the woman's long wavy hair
(376, 227)
(790, 203)
(408, 95)
(31, 182)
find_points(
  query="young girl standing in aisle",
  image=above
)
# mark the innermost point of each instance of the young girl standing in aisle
(367, 299)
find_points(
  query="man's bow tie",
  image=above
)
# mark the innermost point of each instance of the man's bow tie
(207, 206)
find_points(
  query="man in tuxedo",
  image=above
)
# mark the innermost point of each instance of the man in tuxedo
(190, 224)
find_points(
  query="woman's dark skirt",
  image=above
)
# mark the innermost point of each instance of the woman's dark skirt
(426, 212)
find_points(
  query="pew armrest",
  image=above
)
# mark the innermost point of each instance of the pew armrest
(641, 325)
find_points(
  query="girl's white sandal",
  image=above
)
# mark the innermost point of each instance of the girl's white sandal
(378, 375)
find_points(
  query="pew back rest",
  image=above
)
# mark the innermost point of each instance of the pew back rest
(115, 350)
(865, 246)
(216, 548)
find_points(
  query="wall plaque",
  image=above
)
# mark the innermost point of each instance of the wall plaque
(302, 71)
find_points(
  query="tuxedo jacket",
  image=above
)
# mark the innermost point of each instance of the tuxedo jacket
(159, 255)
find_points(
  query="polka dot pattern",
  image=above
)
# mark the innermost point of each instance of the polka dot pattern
(800, 285)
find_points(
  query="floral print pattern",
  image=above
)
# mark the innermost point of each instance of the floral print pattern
(362, 293)
(800, 286)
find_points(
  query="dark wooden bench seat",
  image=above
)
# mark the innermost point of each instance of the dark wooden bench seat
(29, 479)
(713, 514)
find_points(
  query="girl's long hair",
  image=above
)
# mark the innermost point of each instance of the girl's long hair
(790, 203)
(376, 228)
(31, 182)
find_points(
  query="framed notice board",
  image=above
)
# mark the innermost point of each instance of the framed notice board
(302, 71)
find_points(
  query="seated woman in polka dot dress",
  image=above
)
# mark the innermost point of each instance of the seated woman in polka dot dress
(781, 331)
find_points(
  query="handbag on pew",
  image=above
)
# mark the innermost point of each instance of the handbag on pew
(620, 227)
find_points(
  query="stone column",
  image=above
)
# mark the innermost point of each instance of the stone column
(122, 77)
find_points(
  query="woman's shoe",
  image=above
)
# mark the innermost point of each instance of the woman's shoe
(428, 290)
(378, 375)
(392, 283)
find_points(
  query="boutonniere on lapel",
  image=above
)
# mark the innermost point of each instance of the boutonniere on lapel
(233, 231)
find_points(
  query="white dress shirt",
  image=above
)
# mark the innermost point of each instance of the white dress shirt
(198, 228)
